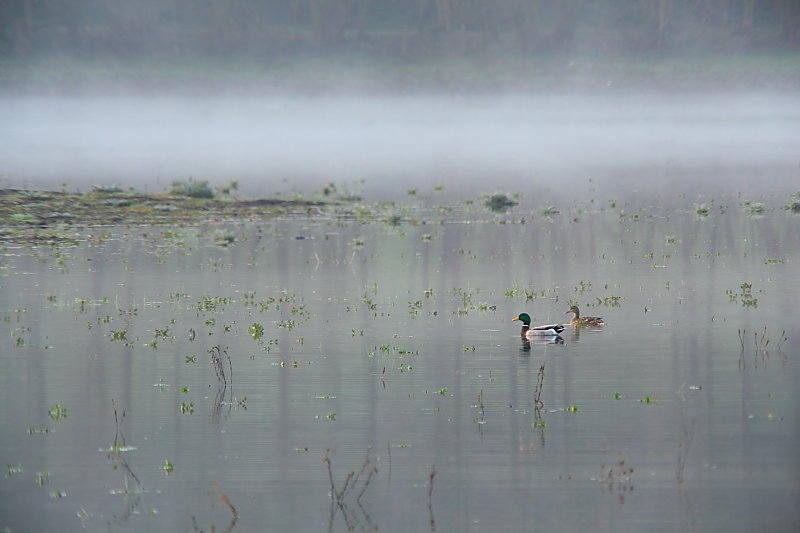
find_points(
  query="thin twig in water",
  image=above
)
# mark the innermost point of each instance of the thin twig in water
(115, 455)
(683, 451)
(537, 394)
(222, 379)
(351, 518)
(430, 497)
(430, 487)
(784, 338)
(224, 499)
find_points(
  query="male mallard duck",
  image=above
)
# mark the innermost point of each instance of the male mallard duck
(536, 331)
(579, 320)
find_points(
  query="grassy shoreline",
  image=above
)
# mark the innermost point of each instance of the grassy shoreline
(27, 209)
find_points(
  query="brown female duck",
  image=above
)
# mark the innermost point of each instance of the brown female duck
(579, 320)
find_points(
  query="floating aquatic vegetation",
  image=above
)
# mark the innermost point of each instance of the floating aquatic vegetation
(548, 212)
(58, 412)
(256, 331)
(754, 209)
(499, 202)
(584, 286)
(394, 219)
(192, 189)
(701, 210)
(610, 301)
(224, 237)
(793, 205)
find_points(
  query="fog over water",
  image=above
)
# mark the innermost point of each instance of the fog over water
(470, 145)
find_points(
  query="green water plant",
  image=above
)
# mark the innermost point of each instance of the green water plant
(793, 205)
(256, 330)
(701, 210)
(754, 209)
(499, 202)
(119, 335)
(223, 237)
(549, 212)
(58, 412)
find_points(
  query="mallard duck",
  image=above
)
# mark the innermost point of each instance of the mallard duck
(579, 320)
(537, 331)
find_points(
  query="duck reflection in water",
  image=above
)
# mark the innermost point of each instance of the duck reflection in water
(525, 348)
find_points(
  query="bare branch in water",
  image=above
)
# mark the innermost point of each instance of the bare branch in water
(224, 499)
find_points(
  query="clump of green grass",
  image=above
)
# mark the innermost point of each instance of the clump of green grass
(24, 217)
(118, 202)
(35, 195)
(701, 210)
(192, 189)
(499, 202)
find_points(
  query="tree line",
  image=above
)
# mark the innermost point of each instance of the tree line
(405, 28)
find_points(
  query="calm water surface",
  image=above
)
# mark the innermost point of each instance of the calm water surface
(392, 347)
